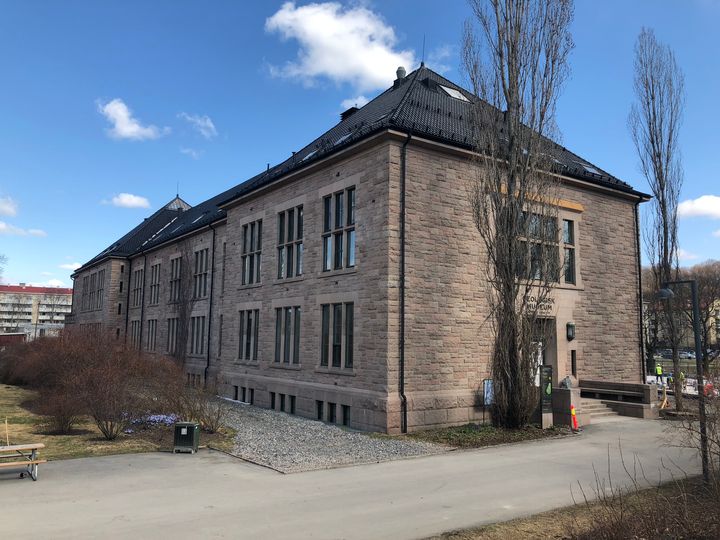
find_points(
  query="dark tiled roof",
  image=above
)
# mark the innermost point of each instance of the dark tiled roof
(416, 104)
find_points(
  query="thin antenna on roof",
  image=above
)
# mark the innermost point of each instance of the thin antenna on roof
(422, 62)
(177, 188)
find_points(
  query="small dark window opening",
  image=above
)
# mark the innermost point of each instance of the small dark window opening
(272, 400)
(346, 415)
(319, 406)
(119, 309)
(292, 404)
(121, 286)
(117, 333)
(236, 390)
(282, 402)
(252, 396)
(332, 416)
(244, 394)
(573, 363)
(122, 268)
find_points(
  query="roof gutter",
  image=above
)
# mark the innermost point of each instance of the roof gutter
(401, 380)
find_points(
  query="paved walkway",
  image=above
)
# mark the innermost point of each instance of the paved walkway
(211, 495)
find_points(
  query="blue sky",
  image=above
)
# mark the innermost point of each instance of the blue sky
(106, 107)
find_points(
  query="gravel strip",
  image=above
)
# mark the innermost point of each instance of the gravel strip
(290, 443)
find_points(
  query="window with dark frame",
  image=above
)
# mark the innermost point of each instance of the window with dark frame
(154, 284)
(200, 274)
(248, 335)
(151, 335)
(539, 258)
(137, 287)
(338, 237)
(172, 335)
(569, 252)
(197, 335)
(175, 275)
(287, 335)
(251, 252)
(337, 339)
(290, 243)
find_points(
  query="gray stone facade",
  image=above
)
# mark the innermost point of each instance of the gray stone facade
(447, 336)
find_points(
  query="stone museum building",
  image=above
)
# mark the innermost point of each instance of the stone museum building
(346, 283)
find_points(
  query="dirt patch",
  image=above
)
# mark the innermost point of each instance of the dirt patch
(481, 435)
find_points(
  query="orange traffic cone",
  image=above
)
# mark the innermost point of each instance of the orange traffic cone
(574, 418)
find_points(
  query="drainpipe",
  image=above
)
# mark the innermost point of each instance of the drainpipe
(401, 385)
(210, 303)
(641, 326)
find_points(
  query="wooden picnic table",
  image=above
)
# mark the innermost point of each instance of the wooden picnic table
(24, 456)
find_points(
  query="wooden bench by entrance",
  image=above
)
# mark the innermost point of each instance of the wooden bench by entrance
(22, 456)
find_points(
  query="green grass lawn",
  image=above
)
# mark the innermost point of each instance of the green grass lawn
(24, 426)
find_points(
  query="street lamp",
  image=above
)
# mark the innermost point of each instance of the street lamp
(666, 294)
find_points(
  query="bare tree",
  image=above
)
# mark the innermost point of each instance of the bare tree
(515, 56)
(707, 276)
(654, 123)
(184, 301)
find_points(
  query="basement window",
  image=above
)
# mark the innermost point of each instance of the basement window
(452, 92)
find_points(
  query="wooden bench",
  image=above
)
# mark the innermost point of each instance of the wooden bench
(24, 456)
(616, 391)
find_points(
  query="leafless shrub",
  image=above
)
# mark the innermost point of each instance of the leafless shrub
(63, 408)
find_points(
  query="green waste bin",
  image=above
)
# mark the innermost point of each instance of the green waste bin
(187, 437)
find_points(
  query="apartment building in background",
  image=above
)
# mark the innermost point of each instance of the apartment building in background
(33, 311)
(347, 283)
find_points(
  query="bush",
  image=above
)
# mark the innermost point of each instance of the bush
(63, 408)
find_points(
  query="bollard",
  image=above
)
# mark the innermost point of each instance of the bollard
(574, 418)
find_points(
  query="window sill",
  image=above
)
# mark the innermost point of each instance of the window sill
(292, 367)
(348, 372)
(341, 272)
(250, 286)
(281, 281)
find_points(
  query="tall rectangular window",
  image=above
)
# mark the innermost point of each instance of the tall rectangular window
(155, 284)
(338, 238)
(135, 334)
(200, 275)
(540, 258)
(569, 252)
(248, 335)
(151, 342)
(91, 297)
(85, 292)
(290, 243)
(287, 335)
(251, 252)
(100, 289)
(197, 335)
(337, 336)
(175, 275)
(325, 337)
(172, 335)
(137, 287)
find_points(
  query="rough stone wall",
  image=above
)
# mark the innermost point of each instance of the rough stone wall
(448, 331)
(365, 387)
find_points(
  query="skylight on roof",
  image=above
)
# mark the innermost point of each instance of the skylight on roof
(342, 139)
(589, 168)
(457, 94)
(311, 154)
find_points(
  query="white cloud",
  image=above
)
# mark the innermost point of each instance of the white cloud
(716, 234)
(8, 207)
(10, 230)
(202, 124)
(686, 255)
(128, 200)
(195, 154)
(124, 125)
(703, 206)
(439, 58)
(345, 45)
(70, 266)
(358, 102)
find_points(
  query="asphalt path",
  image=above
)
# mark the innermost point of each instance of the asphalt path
(211, 495)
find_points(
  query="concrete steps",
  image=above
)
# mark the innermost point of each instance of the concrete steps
(596, 408)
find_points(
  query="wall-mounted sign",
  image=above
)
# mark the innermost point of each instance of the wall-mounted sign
(487, 392)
